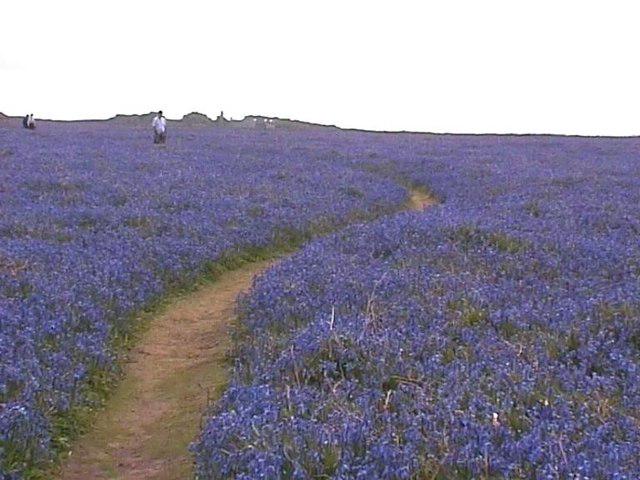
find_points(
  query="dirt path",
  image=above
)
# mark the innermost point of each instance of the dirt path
(177, 366)
(419, 199)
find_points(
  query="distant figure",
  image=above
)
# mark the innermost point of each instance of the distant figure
(25, 121)
(159, 128)
(31, 123)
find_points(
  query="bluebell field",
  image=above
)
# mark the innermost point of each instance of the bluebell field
(96, 223)
(496, 335)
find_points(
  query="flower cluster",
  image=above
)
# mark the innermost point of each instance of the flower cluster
(496, 335)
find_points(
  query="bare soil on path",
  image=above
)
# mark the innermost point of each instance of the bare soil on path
(419, 199)
(178, 366)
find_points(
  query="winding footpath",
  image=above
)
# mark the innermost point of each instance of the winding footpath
(178, 367)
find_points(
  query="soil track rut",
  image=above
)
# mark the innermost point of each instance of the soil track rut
(419, 199)
(178, 366)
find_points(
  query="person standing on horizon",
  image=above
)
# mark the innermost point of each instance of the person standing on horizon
(31, 123)
(159, 125)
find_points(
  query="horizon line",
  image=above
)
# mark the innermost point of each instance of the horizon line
(323, 125)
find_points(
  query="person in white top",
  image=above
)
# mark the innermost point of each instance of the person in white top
(159, 128)
(31, 123)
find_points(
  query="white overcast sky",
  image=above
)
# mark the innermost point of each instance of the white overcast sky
(448, 66)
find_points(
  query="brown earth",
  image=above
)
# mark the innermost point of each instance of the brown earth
(419, 199)
(179, 365)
